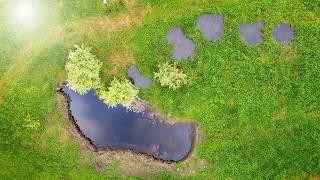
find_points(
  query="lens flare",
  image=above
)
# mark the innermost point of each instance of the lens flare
(24, 12)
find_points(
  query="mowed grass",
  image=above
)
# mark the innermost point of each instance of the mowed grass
(257, 106)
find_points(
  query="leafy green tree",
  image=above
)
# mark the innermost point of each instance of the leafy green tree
(169, 75)
(83, 69)
(120, 92)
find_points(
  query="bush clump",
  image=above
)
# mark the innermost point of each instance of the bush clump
(169, 75)
(120, 92)
(83, 70)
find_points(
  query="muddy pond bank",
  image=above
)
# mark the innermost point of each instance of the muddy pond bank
(117, 129)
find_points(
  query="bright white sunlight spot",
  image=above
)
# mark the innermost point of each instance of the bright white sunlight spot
(25, 13)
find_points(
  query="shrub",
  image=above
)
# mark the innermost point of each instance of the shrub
(169, 75)
(121, 92)
(83, 70)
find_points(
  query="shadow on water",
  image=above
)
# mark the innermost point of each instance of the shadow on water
(119, 129)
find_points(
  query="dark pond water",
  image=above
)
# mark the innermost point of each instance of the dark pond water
(251, 33)
(139, 80)
(116, 128)
(212, 26)
(283, 33)
(183, 47)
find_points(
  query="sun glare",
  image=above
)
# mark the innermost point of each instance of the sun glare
(25, 13)
(24, 10)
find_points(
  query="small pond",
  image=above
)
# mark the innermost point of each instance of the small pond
(119, 129)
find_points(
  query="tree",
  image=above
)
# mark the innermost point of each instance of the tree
(121, 92)
(83, 70)
(169, 75)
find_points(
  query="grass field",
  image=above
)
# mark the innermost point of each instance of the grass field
(257, 107)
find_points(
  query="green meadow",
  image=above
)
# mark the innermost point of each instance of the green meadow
(257, 107)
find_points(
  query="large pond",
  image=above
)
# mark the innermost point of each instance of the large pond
(119, 129)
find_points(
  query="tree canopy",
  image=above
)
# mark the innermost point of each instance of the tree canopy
(171, 76)
(83, 69)
(120, 92)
